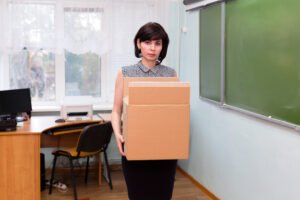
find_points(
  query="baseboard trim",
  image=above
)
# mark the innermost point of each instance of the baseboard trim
(197, 184)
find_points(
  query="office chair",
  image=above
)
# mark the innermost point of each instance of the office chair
(93, 140)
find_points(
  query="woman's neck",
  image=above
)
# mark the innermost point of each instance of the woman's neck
(149, 64)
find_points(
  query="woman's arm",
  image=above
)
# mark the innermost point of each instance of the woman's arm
(117, 112)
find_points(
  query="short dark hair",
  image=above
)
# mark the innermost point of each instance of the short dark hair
(152, 31)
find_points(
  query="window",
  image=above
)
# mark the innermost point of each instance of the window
(31, 58)
(82, 66)
(82, 74)
(33, 69)
(70, 50)
(53, 50)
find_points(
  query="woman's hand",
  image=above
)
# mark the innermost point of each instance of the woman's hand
(120, 142)
(117, 112)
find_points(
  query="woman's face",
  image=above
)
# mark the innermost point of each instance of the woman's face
(150, 49)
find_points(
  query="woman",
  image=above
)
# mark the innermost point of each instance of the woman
(153, 180)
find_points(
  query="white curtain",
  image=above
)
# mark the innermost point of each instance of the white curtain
(104, 27)
(48, 26)
(125, 18)
(30, 25)
(84, 31)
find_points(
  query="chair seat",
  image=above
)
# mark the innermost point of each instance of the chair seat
(72, 152)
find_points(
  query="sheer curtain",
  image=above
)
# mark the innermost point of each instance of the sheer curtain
(44, 28)
(28, 46)
(126, 17)
(35, 35)
(84, 31)
(30, 25)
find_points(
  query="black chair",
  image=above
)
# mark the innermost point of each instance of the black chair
(93, 140)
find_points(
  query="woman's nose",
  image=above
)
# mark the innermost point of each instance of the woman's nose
(152, 46)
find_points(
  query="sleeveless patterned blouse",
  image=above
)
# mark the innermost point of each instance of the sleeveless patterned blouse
(139, 70)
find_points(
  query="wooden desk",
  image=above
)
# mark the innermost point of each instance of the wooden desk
(20, 164)
(66, 133)
(20, 158)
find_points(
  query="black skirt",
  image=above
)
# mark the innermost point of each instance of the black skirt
(149, 180)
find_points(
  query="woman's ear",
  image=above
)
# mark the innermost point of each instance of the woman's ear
(138, 44)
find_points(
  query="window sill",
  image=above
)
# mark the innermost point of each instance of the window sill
(55, 108)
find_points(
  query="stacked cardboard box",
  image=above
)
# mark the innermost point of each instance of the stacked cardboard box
(156, 119)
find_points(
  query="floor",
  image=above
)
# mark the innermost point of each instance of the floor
(183, 188)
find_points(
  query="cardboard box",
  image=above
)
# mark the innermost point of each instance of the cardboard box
(127, 80)
(156, 120)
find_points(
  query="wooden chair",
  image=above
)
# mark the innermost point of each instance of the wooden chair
(93, 140)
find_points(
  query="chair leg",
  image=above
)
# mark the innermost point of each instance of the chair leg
(52, 173)
(87, 169)
(108, 170)
(73, 178)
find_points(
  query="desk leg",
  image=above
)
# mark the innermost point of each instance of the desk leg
(99, 169)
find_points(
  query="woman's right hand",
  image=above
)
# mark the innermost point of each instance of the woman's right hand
(120, 142)
(117, 112)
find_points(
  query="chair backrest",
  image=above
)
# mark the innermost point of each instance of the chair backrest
(95, 137)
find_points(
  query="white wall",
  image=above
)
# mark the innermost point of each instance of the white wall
(235, 156)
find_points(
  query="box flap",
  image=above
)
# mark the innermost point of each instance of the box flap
(126, 80)
(144, 93)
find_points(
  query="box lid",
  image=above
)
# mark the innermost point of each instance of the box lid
(127, 80)
(144, 93)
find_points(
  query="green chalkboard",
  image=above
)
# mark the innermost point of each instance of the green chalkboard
(262, 57)
(210, 51)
